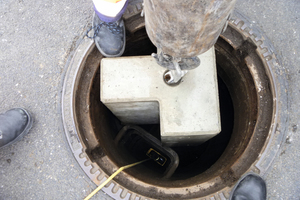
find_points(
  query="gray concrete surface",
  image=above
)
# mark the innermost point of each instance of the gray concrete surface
(36, 38)
(157, 101)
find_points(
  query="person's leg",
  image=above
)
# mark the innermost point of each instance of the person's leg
(249, 187)
(109, 28)
(14, 124)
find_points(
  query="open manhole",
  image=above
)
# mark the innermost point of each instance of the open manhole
(252, 102)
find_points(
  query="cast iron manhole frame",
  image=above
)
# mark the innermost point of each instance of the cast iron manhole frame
(277, 131)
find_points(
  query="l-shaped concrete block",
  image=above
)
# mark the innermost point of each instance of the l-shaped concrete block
(134, 90)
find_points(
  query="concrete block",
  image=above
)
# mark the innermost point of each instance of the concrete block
(134, 90)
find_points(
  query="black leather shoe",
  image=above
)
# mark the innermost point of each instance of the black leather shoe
(14, 124)
(249, 187)
(110, 38)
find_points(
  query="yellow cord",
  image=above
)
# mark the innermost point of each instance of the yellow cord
(111, 177)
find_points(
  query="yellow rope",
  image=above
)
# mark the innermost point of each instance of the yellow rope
(111, 177)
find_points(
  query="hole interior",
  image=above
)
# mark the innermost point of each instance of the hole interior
(198, 164)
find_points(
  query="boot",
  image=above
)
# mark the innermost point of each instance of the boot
(109, 37)
(14, 124)
(250, 187)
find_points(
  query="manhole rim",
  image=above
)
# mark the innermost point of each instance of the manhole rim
(271, 148)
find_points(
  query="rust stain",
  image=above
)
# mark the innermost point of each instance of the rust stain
(202, 28)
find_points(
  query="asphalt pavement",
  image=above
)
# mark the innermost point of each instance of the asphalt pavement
(36, 38)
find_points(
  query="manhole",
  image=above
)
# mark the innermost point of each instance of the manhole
(252, 101)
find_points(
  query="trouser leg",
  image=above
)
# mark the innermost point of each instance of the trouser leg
(109, 11)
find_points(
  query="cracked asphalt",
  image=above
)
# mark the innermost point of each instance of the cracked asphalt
(36, 38)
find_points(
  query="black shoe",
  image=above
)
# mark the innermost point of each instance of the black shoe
(14, 124)
(250, 187)
(110, 38)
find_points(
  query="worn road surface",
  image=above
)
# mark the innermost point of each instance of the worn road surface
(36, 38)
